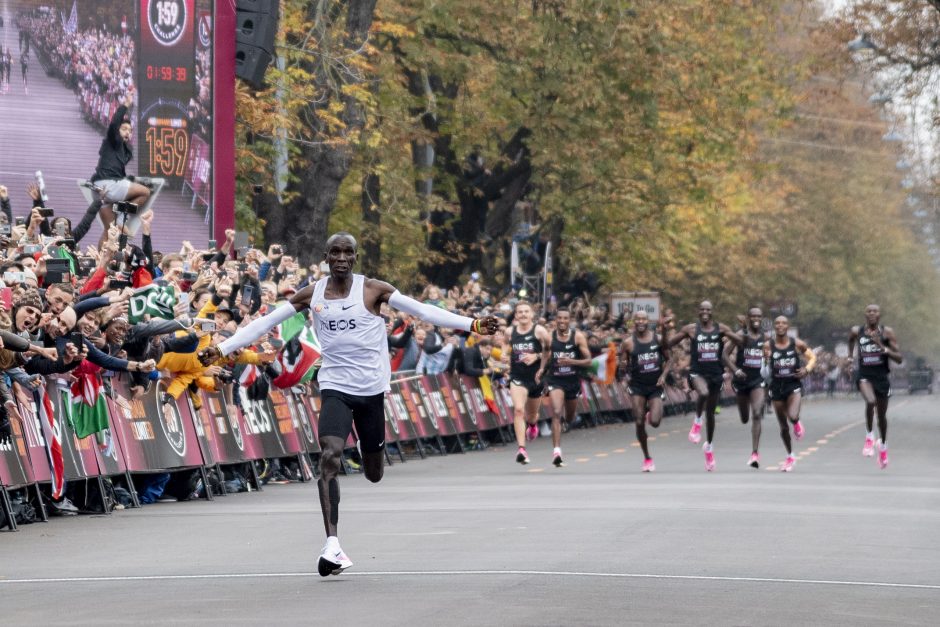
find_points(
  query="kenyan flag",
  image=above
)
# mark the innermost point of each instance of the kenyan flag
(89, 409)
(299, 358)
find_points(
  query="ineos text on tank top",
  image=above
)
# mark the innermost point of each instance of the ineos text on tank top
(352, 341)
(751, 355)
(784, 362)
(872, 359)
(524, 344)
(564, 349)
(706, 351)
(646, 361)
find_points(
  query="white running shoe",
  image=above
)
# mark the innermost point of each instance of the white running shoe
(333, 560)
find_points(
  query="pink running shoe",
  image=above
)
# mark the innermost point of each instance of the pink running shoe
(754, 462)
(522, 457)
(709, 461)
(798, 430)
(695, 433)
(648, 465)
(531, 432)
(788, 465)
(882, 456)
(869, 449)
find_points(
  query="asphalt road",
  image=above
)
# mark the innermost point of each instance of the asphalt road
(41, 128)
(476, 539)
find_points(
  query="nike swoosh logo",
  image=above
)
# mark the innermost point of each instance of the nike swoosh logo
(349, 307)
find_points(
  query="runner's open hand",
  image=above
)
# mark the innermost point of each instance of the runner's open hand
(209, 355)
(487, 325)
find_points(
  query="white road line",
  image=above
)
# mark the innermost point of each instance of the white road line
(489, 573)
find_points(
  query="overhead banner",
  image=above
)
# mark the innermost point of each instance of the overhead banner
(628, 303)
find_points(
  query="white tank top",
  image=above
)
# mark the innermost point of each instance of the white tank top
(353, 342)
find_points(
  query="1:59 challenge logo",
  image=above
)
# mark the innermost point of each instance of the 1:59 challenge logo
(167, 19)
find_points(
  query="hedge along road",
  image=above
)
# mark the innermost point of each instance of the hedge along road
(477, 539)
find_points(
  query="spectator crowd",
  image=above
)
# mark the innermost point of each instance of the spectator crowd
(97, 64)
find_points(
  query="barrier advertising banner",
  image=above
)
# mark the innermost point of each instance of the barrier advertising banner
(456, 405)
(423, 423)
(300, 404)
(288, 423)
(482, 417)
(430, 392)
(154, 436)
(224, 438)
(406, 430)
(259, 428)
(11, 467)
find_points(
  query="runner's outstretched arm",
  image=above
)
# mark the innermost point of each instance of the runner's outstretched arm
(252, 331)
(441, 317)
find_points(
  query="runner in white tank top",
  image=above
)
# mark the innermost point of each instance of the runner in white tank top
(355, 372)
(352, 340)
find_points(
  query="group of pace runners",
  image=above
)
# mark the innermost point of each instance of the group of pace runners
(355, 373)
(755, 362)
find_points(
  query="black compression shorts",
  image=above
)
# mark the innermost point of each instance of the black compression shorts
(743, 388)
(646, 391)
(534, 389)
(714, 381)
(338, 412)
(879, 383)
(781, 389)
(571, 386)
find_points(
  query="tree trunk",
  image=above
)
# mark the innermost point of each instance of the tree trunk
(303, 225)
(371, 246)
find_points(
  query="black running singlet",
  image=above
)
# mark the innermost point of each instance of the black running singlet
(706, 351)
(524, 344)
(872, 359)
(784, 362)
(561, 349)
(751, 355)
(646, 361)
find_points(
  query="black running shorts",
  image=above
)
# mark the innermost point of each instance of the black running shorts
(534, 389)
(646, 391)
(571, 386)
(781, 389)
(879, 383)
(743, 388)
(714, 381)
(338, 412)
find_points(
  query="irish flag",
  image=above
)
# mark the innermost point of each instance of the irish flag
(604, 366)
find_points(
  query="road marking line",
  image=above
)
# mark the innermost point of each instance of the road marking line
(600, 455)
(535, 469)
(635, 444)
(466, 573)
(620, 450)
(822, 441)
(813, 449)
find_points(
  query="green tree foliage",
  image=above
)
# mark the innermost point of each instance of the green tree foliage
(666, 146)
